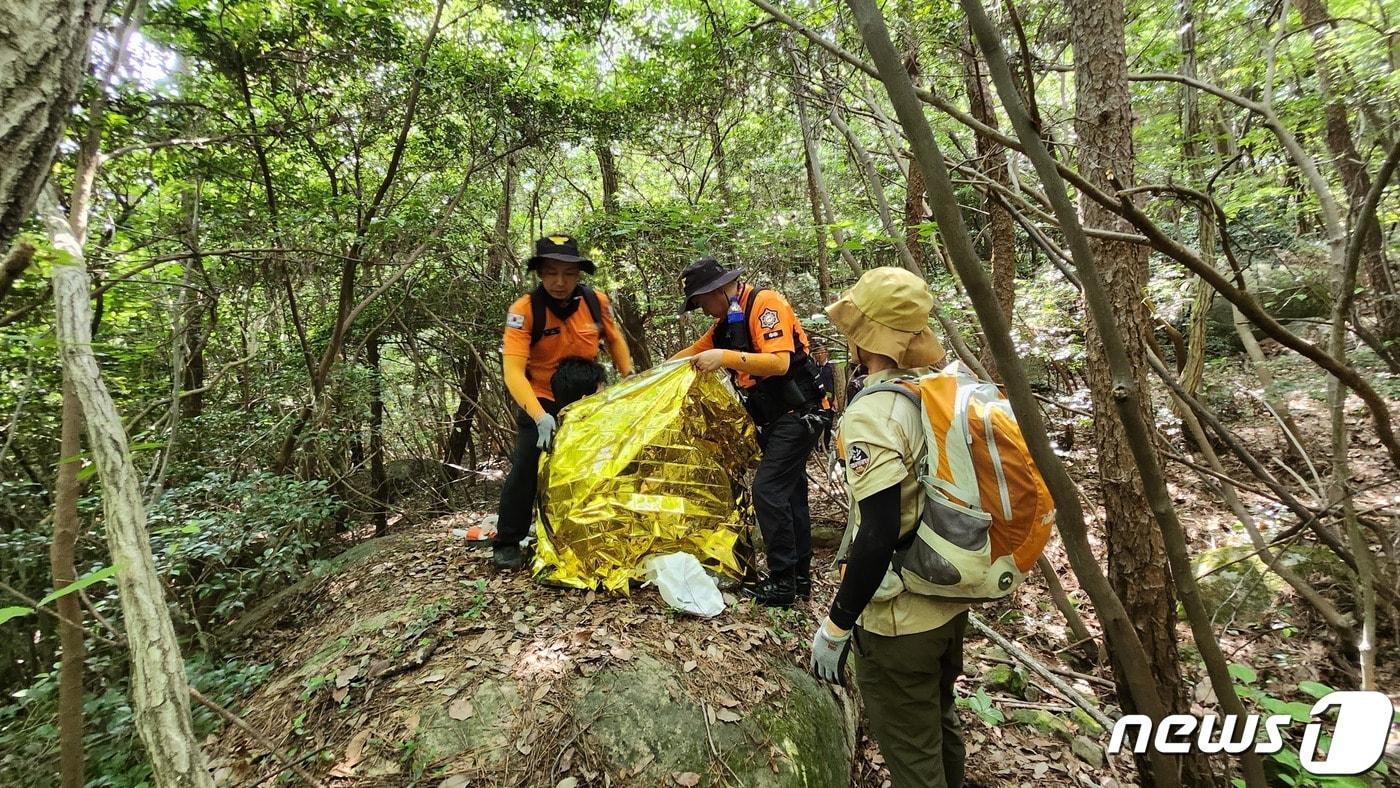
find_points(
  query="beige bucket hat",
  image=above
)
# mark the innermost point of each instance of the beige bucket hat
(886, 312)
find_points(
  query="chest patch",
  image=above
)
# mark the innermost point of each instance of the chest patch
(858, 459)
(773, 334)
(768, 318)
(549, 332)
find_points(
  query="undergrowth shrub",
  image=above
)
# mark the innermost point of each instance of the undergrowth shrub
(29, 746)
(225, 543)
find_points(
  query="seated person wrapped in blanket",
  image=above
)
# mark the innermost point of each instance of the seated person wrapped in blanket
(652, 465)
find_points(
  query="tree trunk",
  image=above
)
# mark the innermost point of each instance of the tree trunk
(1137, 561)
(726, 196)
(634, 328)
(814, 165)
(1191, 364)
(460, 437)
(376, 437)
(159, 692)
(192, 340)
(607, 169)
(70, 628)
(991, 162)
(1352, 169)
(915, 208)
(914, 217)
(629, 317)
(43, 49)
(499, 250)
(192, 403)
(819, 226)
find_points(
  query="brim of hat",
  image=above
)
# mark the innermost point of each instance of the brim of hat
(713, 284)
(909, 349)
(560, 257)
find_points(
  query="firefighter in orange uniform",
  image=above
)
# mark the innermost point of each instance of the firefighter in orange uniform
(758, 337)
(562, 318)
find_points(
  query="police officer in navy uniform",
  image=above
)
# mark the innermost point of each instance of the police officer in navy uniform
(758, 338)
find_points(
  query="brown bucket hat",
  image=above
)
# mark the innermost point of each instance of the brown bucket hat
(886, 312)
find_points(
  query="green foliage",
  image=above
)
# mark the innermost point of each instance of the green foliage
(1284, 766)
(981, 704)
(226, 542)
(29, 732)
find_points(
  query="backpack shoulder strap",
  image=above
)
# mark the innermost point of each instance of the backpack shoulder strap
(595, 308)
(748, 302)
(537, 317)
(901, 386)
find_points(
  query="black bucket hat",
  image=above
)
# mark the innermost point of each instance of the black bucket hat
(562, 248)
(702, 276)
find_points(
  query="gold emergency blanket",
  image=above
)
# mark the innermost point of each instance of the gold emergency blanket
(651, 465)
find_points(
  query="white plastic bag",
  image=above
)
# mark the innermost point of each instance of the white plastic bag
(684, 584)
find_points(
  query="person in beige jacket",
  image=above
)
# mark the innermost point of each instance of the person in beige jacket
(908, 647)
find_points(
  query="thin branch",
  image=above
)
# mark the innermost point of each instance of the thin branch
(263, 741)
(1358, 237)
(103, 158)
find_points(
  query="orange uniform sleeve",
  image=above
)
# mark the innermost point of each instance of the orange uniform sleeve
(759, 365)
(773, 324)
(617, 344)
(515, 354)
(518, 324)
(519, 386)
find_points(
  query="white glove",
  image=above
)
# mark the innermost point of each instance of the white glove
(546, 426)
(829, 652)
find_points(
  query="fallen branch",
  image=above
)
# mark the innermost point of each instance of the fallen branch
(1070, 693)
(237, 722)
(1070, 674)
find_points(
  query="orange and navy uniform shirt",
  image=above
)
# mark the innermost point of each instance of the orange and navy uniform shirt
(576, 336)
(773, 328)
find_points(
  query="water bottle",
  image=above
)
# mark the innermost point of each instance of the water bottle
(734, 325)
(736, 312)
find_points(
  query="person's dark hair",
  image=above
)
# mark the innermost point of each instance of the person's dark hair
(576, 378)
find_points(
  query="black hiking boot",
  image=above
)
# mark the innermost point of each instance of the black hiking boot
(777, 591)
(803, 582)
(507, 557)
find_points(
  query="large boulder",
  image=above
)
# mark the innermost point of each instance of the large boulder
(1236, 584)
(1296, 291)
(640, 723)
(416, 664)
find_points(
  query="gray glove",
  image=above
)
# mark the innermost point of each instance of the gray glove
(829, 654)
(546, 426)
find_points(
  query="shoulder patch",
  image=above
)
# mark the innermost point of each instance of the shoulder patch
(768, 317)
(514, 320)
(857, 458)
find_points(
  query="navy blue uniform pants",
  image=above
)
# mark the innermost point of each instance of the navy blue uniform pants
(517, 509)
(780, 494)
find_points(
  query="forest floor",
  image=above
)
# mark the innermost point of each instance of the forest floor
(351, 710)
(355, 703)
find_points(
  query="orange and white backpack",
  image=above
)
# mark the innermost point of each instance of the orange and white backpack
(987, 513)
